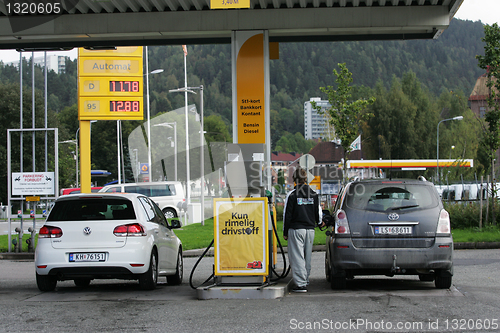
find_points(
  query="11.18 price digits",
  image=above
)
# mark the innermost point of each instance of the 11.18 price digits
(124, 86)
(124, 106)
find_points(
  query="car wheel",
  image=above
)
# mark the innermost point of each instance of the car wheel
(82, 283)
(148, 280)
(328, 272)
(46, 282)
(170, 213)
(426, 277)
(337, 281)
(179, 271)
(443, 282)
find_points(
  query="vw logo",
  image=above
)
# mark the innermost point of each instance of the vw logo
(88, 231)
(393, 216)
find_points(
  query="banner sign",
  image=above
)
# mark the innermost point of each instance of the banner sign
(240, 236)
(250, 89)
(33, 183)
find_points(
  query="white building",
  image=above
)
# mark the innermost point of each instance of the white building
(316, 125)
(55, 63)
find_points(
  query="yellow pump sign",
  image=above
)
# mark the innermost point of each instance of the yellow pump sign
(240, 236)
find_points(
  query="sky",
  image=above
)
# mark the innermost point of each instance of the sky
(487, 11)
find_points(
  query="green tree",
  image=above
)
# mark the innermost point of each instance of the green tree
(491, 63)
(345, 115)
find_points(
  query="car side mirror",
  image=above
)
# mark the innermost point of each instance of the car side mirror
(175, 224)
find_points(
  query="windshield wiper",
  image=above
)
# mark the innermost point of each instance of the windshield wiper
(404, 207)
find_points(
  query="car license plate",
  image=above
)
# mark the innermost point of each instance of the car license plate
(393, 230)
(80, 257)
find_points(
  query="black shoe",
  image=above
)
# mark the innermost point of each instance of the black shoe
(299, 289)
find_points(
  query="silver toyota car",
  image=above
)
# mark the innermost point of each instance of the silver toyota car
(389, 227)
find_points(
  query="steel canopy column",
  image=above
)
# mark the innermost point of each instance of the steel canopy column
(251, 91)
(85, 168)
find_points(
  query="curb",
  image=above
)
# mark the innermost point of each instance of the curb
(210, 253)
(476, 246)
(17, 256)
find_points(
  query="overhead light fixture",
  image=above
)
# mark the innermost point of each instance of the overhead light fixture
(101, 48)
(37, 49)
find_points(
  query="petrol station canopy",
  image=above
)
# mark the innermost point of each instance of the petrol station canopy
(88, 23)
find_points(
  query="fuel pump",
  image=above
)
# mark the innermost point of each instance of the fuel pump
(245, 236)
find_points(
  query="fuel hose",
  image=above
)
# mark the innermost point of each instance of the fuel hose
(196, 265)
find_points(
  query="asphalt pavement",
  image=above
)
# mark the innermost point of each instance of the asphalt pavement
(369, 304)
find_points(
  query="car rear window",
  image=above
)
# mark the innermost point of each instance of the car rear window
(390, 197)
(92, 209)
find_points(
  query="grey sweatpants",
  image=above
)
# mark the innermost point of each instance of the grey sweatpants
(300, 242)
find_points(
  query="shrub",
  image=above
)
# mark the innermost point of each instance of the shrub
(279, 213)
(464, 215)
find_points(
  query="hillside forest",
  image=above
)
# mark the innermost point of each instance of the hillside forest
(416, 84)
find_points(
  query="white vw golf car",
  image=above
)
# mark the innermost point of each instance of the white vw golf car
(107, 236)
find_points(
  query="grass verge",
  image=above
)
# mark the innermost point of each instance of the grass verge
(487, 234)
(4, 242)
(196, 236)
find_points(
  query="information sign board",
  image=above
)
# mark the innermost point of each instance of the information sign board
(33, 183)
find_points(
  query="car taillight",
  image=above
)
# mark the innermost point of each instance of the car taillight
(341, 223)
(443, 226)
(50, 232)
(134, 229)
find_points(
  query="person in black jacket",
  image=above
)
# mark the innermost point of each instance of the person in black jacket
(302, 213)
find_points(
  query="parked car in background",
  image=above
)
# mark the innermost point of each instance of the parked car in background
(76, 190)
(107, 236)
(280, 201)
(389, 227)
(168, 195)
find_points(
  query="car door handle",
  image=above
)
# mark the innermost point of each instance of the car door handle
(156, 232)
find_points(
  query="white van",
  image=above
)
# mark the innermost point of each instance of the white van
(169, 196)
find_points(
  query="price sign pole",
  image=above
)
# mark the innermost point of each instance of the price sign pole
(110, 87)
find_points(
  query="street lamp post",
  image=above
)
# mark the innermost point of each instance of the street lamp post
(136, 152)
(202, 169)
(173, 144)
(156, 71)
(169, 125)
(437, 145)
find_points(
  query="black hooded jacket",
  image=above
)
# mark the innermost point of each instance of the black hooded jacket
(302, 209)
